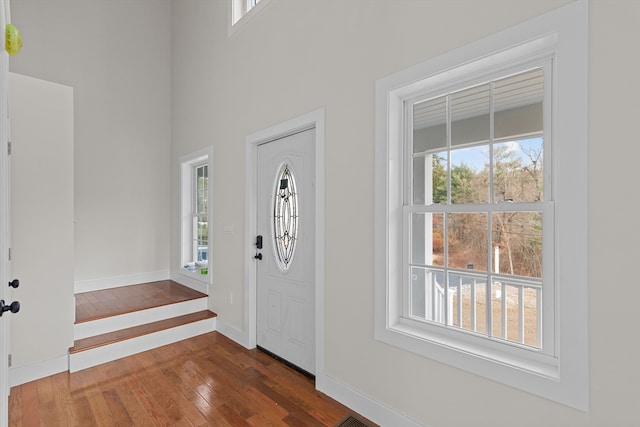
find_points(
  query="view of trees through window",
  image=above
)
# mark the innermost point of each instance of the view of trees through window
(517, 177)
(200, 216)
(476, 212)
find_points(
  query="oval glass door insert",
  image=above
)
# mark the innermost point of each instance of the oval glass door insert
(285, 217)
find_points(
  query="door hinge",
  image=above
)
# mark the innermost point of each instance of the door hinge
(8, 148)
(9, 359)
(9, 254)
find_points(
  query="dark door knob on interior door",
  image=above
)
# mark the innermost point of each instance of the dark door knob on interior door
(14, 283)
(14, 307)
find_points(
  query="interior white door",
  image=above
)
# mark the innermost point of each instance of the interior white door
(285, 270)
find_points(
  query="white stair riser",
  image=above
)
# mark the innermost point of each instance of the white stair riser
(96, 356)
(137, 318)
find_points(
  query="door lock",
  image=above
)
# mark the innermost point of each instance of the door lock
(258, 246)
(14, 283)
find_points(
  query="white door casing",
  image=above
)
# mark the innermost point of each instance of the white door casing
(4, 217)
(285, 271)
(316, 120)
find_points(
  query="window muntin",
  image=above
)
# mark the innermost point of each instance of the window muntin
(476, 210)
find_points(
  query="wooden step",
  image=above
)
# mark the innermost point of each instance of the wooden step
(93, 351)
(106, 303)
(110, 310)
(136, 331)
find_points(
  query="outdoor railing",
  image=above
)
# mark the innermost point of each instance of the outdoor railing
(512, 310)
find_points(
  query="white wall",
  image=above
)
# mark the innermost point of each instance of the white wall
(299, 55)
(41, 219)
(116, 56)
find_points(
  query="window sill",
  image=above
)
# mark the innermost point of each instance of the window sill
(195, 273)
(472, 353)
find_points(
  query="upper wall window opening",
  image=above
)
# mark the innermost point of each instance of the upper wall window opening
(242, 10)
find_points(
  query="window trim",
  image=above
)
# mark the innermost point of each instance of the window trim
(561, 34)
(187, 165)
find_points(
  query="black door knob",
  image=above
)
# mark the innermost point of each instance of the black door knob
(14, 307)
(258, 256)
(14, 283)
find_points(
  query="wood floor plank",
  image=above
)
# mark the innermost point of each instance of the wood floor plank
(15, 407)
(47, 401)
(207, 380)
(65, 405)
(30, 405)
(100, 413)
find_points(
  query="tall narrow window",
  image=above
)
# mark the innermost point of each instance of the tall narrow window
(200, 228)
(195, 214)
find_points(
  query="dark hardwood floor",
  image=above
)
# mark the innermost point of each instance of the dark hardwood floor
(208, 380)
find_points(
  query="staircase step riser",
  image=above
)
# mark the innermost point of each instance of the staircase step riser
(123, 321)
(120, 349)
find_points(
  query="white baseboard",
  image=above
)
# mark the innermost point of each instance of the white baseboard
(363, 405)
(231, 332)
(117, 281)
(24, 374)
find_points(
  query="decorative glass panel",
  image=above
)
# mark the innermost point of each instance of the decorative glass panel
(285, 217)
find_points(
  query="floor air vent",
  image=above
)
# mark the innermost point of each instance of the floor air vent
(351, 421)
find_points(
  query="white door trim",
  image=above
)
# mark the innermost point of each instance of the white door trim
(4, 214)
(314, 119)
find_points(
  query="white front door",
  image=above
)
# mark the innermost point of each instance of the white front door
(285, 282)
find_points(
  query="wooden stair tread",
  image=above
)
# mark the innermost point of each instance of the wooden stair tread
(124, 334)
(128, 299)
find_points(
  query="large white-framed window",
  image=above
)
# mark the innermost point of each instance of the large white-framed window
(195, 230)
(481, 206)
(477, 209)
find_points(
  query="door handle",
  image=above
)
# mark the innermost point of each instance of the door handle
(259, 241)
(14, 307)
